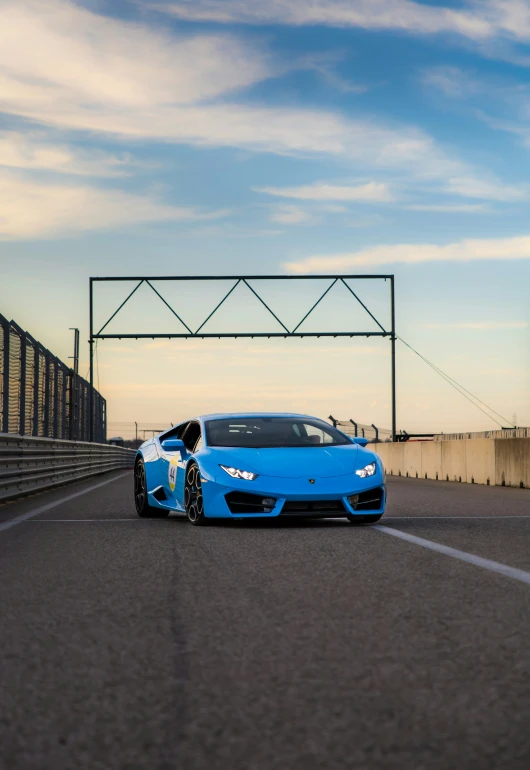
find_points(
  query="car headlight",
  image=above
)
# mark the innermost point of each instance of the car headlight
(236, 473)
(368, 470)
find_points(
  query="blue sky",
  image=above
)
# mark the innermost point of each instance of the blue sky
(222, 136)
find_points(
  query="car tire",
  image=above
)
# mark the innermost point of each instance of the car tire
(143, 508)
(193, 499)
(358, 520)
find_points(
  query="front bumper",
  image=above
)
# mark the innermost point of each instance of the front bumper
(334, 490)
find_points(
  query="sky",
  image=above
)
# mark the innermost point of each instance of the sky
(292, 137)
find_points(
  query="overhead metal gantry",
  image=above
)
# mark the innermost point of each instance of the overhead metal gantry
(246, 280)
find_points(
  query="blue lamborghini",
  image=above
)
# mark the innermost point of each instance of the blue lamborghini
(244, 466)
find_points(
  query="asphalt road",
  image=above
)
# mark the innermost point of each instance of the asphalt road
(128, 644)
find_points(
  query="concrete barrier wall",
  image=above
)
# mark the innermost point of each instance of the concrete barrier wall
(512, 462)
(503, 462)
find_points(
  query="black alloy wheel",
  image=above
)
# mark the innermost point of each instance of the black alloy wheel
(193, 496)
(359, 519)
(143, 508)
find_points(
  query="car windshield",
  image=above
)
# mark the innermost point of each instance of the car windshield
(260, 432)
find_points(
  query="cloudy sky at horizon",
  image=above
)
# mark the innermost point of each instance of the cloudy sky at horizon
(289, 137)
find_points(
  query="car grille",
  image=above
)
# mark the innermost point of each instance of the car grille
(371, 500)
(242, 502)
(313, 507)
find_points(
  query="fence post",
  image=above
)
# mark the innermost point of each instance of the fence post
(5, 376)
(55, 397)
(355, 427)
(22, 414)
(47, 394)
(376, 433)
(36, 373)
(64, 432)
(71, 396)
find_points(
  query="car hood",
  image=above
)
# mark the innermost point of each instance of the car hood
(291, 462)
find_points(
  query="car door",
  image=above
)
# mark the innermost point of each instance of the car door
(171, 460)
(191, 437)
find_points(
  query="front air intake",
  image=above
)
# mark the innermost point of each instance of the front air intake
(371, 500)
(313, 507)
(242, 502)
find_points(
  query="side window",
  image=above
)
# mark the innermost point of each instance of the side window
(191, 435)
(317, 436)
(180, 430)
(176, 432)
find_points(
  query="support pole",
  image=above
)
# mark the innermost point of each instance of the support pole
(91, 364)
(393, 343)
(76, 349)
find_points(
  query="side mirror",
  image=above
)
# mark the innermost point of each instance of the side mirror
(172, 445)
(361, 441)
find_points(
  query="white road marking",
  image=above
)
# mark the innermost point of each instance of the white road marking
(470, 558)
(515, 516)
(35, 512)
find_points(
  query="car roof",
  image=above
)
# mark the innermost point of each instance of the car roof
(225, 415)
(243, 415)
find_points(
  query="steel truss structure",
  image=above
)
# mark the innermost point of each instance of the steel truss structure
(246, 281)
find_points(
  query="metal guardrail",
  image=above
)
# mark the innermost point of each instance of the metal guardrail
(30, 464)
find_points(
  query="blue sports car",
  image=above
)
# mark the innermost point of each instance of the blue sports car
(243, 466)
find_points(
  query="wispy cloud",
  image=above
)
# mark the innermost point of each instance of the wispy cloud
(80, 55)
(331, 77)
(451, 81)
(369, 14)
(502, 103)
(291, 215)
(414, 253)
(63, 66)
(35, 152)
(372, 192)
(494, 27)
(486, 189)
(450, 208)
(30, 209)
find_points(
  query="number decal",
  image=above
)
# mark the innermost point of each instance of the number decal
(172, 474)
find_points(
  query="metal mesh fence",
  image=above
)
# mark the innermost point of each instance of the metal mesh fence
(40, 395)
(373, 433)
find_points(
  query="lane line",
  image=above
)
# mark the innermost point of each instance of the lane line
(35, 512)
(441, 518)
(48, 521)
(470, 558)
